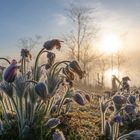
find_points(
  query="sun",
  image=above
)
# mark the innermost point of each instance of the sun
(110, 43)
(111, 72)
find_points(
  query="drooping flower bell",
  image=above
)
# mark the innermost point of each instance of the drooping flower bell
(133, 135)
(41, 90)
(11, 72)
(117, 119)
(26, 54)
(78, 98)
(58, 135)
(118, 101)
(125, 84)
(74, 66)
(51, 44)
(52, 123)
(69, 74)
(132, 99)
(129, 109)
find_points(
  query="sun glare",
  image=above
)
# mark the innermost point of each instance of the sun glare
(110, 43)
(111, 72)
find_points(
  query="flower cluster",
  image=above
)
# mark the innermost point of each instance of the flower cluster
(37, 96)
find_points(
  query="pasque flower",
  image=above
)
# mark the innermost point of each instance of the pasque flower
(26, 54)
(49, 45)
(69, 74)
(133, 135)
(79, 99)
(52, 123)
(132, 99)
(11, 72)
(129, 109)
(117, 119)
(41, 90)
(118, 100)
(74, 66)
(58, 135)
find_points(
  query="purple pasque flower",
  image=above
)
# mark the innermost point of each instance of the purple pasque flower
(117, 119)
(10, 72)
(58, 135)
(133, 135)
(51, 44)
(78, 98)
(132, 99)
(26, 53)
(74, 66)
(118, 101)
(129, 109)
(41, 90)
(52, 123)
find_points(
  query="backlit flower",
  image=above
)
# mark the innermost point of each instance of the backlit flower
(79, 99)
(58, 135)
(10, 72)
(132, 99)
(26, 54)
(41, 90)
(74, 66)
(52, 123)
(49, 45)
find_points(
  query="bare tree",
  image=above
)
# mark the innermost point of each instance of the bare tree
(29, 42)
(82, 29)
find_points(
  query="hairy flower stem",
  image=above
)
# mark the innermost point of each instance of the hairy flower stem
(62, 101)
(21, 113)
(5, 113)
(123, 137)
(32, 112)
(103, 122)
(38, 107)
(115, 131)
(50, 106)
(10, 104)
(23, 65)
(57, 64)
(16, 108)
(18, 115)
(36, 63)
(5, 59)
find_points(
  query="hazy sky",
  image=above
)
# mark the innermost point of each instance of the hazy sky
(27, 18)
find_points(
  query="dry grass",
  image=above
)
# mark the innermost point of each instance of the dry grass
(83, 122)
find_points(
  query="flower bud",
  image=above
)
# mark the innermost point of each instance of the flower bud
(41, 90)
(132, 99)
(117, 119)
(52, 123)
(74, 66)
(58, 135)
(79, 99)
(129, 109)
(10, 72)
(49, 45)
(26, 54)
